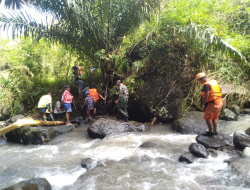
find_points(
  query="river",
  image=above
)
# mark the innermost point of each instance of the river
(124, 165)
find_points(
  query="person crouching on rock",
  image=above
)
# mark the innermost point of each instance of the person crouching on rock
(122, 101)
(212, 102)
(58, 111)
(67, 99)
(89, 105)
(45, 103)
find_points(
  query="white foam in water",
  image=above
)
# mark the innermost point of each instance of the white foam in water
(60, 177)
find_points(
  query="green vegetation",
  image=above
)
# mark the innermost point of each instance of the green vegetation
(127, 40)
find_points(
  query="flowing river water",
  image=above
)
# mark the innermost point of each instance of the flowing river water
(123, 163)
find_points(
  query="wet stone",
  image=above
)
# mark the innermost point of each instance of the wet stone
(245, 111)
(153, 144)
(89, 163)
(241, 140)
(235, 109)
(16, 117)
(246, 152)
(198, 150)
(190, 123)
(103, 127)
(37, 135)
(232, 152)
(31, 184)
(212, 152)
(215, 141)
(187, 157)
(228, 115)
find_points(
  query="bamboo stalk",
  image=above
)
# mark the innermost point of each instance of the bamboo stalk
(28, 121)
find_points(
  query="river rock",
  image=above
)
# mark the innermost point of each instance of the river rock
(76, 120)
(246, 152)
(187, 157)
(245, 111)
(103, 127)
(37, 135)
(247, 131)
(89, 163)
(241, 140)
(16, 117)
(31, 184)
(198, 150)
(228, 115)
(190, 123)
(232, 152)
(212, 152)
(215, 141)
(153, 144)
(235, 109)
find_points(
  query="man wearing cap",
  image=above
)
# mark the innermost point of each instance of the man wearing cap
(67, 99)
(212, 102)
(122, 101)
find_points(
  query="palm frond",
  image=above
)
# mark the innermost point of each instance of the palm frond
(207, 40)
(13, 4)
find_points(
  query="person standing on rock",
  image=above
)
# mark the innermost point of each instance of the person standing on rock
(67, 100)
(80, 86)
(212, 102)
(94, 94)
(122, 101)
(89, 105)
(45, 103)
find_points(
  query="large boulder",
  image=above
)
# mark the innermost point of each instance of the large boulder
(241, 140)
(14, 118)
(187, 157)
(235, 109)
(31, 184)
(198, 150)
(215, 141)
(190, 123)
(37, 135)
(228, 115)
(103, 127)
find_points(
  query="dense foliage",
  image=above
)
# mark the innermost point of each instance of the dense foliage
(130, 41)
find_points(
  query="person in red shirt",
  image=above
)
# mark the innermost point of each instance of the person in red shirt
(67, 100)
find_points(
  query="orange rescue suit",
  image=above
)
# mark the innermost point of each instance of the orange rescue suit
(93, 93)
(214, 92)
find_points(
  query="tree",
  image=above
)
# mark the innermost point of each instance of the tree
(86, 26)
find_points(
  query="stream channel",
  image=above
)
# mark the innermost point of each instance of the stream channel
(123, 163)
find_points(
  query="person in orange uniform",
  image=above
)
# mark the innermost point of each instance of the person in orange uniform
(94, 94)
(212, 102)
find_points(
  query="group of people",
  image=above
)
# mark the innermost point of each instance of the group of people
(212, 103)
(92, 96)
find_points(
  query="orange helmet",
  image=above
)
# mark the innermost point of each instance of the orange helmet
(200, 75)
